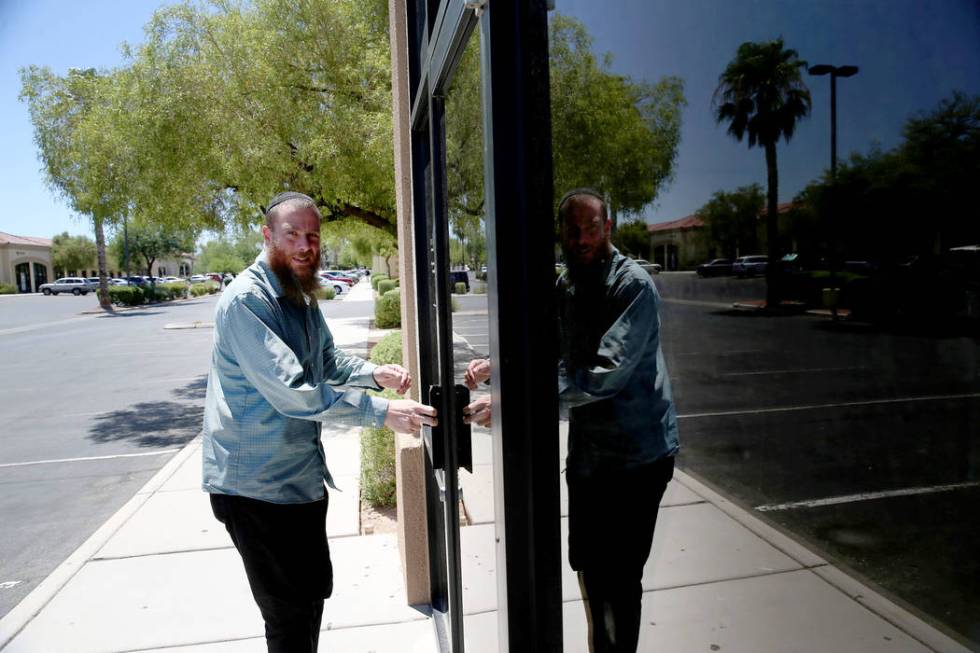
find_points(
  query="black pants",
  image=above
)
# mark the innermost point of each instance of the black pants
(611, 519)
(287, 561)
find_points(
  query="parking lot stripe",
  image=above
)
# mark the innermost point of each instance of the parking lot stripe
(866, 496)
(88, 458)
(843, 404)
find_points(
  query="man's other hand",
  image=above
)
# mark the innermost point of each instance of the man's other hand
(478, 412)
(477, 372)
(394, 377)
(407, 416)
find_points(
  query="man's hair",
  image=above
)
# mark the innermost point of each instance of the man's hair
(570, 198)
(286, 203)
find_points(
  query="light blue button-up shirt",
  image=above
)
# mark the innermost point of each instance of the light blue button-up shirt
(612, 379)
(275, 376)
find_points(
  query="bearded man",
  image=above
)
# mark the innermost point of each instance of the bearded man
(275, 377)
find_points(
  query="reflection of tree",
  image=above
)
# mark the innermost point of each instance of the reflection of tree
(761, 95)
(633, 238)
(731, 218)
(914, 199)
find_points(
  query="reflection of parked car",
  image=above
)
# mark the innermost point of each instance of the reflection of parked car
(652, 268)
(198, 278)
(459, 276)
(719, 267)
(748, 266)
(74, 285)
(118, 282)
(337, 276)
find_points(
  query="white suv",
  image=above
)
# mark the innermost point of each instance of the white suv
(74, 285)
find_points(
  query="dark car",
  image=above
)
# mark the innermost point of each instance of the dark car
(459, 276)
(718, 267)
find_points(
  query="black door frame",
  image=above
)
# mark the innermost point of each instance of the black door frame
(523, 347)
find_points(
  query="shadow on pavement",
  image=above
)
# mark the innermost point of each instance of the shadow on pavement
(149, 424)
(193, 390)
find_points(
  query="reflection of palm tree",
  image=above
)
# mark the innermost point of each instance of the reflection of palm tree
(761, 94)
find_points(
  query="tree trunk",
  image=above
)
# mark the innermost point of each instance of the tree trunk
(772, 228)
(104, 300)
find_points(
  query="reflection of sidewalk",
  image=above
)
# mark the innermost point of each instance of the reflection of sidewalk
(161, 575)
(718, 579)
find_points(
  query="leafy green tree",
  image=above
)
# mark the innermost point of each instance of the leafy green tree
(72, 253)
(761, 96)
(85, 159)
(731, 218)
(219, 256)
(152, 242)
(609, 132)
(633, 238)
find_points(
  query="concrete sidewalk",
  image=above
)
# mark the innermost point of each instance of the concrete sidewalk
(161, 574)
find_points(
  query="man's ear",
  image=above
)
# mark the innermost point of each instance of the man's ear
(266, 234)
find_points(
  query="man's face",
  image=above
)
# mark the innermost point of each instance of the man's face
(584, 234)
(293, 242)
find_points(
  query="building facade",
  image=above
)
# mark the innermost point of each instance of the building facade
(678, 244)
(25, 261)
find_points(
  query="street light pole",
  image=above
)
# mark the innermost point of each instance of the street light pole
(834, 72)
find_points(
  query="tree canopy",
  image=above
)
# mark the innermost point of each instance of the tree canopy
(150, 242)
(72, 253)
(731, 219)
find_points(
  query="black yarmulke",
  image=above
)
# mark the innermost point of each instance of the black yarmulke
(285, 197)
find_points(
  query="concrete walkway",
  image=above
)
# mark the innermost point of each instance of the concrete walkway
(161, 575)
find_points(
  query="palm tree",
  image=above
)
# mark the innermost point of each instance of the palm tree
(761, 95)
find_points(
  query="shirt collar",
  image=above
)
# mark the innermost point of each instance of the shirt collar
(262, 260)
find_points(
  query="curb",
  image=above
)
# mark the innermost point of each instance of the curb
(32, 604)
(869, 598)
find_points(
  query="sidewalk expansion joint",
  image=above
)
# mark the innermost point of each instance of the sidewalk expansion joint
(156, 554)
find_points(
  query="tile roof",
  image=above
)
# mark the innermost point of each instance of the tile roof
(10, 239)
(689, 222)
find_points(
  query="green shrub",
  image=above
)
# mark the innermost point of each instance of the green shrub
(378, 463)
(388, 311)
(479, 289)
(386, 285)
(378, 278)
(325, 293)
(388, 350)
(177, 289)
(126, 295)
(212, 286)
(459, 288)
(200, 289)
(8, 289)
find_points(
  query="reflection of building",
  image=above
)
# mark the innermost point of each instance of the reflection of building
(679, 243)
(25, 261)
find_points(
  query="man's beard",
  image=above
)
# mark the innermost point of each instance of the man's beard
(297, 288)
(587, 272)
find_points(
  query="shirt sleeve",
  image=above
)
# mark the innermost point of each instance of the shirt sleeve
(341, 368)
(620, 351)
(274, 370)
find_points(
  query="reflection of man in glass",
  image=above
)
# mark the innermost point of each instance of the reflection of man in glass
(622, 434)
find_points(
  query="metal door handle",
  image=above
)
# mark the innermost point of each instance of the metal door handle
(464, 440)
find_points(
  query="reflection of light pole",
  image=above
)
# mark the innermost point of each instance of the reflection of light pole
(834, 72)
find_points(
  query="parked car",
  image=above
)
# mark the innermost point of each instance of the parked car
(339, 276)
(198, 278)
(339, 287)
(719, 267)
(213, 276)
(118, 282)
(749, 266)
(172, 280)
(459, 276)
(652, 268)
(74, 285)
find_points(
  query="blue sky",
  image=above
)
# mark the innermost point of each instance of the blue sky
(911, 53)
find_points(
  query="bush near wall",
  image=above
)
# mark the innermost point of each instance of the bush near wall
(200, 289)
(459, 288)
(378, 278)
(378, 487)
(479, 289)
(386, 285)
(8, 289)
(388, 310)
(126, 295)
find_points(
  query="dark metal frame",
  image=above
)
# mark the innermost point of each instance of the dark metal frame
(523, 349)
